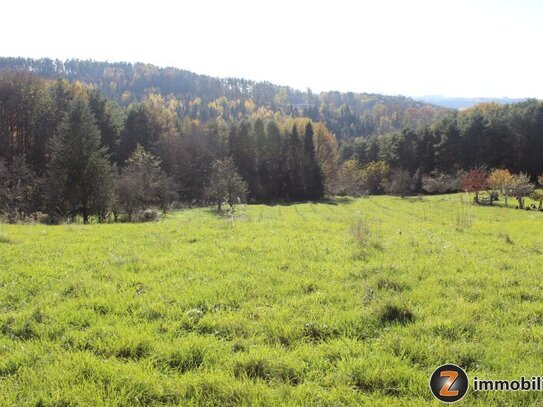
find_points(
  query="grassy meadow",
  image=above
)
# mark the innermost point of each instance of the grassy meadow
(346, 302)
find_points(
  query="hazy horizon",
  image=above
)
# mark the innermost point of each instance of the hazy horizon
(478, 49)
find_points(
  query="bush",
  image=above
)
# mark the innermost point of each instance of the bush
(401, 183)
(149, 215)
(440, 183)
(39, 217)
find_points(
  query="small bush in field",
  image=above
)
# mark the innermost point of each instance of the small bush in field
(149, 215)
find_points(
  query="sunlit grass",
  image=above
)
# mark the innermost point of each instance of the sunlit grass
(335, 303)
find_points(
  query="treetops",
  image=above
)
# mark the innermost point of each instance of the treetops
(52, 131)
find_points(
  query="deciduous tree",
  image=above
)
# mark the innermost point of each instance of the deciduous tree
(500, 181)
(476, 180)
(520, 188)
(225, 184)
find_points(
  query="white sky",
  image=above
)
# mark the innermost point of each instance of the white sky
(411, 47)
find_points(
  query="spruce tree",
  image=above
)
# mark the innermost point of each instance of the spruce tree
(313, 180)
(262, 160)
(243, 151)
(79, 172)
(276, 164)
(296, 190)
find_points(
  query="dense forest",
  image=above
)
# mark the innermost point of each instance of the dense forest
(67, 150)
(100, 141)
(204, 98)
(491, 135)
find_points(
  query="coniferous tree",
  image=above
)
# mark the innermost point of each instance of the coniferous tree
(138, 129)
(19, 189)
(262, 160)
(193, 163)
(79, 171)
(243, 150)
(109, 119)
(275, 160)
(295, 186)
(313, 180)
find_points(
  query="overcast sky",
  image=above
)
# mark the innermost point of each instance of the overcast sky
(410, 47)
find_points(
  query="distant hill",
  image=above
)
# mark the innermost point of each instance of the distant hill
(464, 103)
(202, 97)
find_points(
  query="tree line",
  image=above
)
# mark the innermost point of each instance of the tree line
(66, 150)
(204, 98)
(488, 135)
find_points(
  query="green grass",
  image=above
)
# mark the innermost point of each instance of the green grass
(341, 303)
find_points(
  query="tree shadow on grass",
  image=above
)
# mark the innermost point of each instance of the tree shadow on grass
(327, 201)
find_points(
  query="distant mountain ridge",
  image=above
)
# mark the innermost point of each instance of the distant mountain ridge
(464, 103)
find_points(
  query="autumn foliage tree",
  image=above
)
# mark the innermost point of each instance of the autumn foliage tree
(375, 175)
(327, 155)
(500, 181)
(475, 181)
(350, 179)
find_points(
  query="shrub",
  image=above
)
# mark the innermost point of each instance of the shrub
(401, 183)
(40, 217)
(149, 215)
(440, 183)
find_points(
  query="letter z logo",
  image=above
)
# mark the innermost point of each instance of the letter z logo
(449, 383)
(446, 391)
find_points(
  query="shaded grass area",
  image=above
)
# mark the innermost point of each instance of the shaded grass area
(335, 303)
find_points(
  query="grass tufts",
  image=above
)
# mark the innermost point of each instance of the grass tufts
(396, 314)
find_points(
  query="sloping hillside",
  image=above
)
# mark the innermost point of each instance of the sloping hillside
(203, 97)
